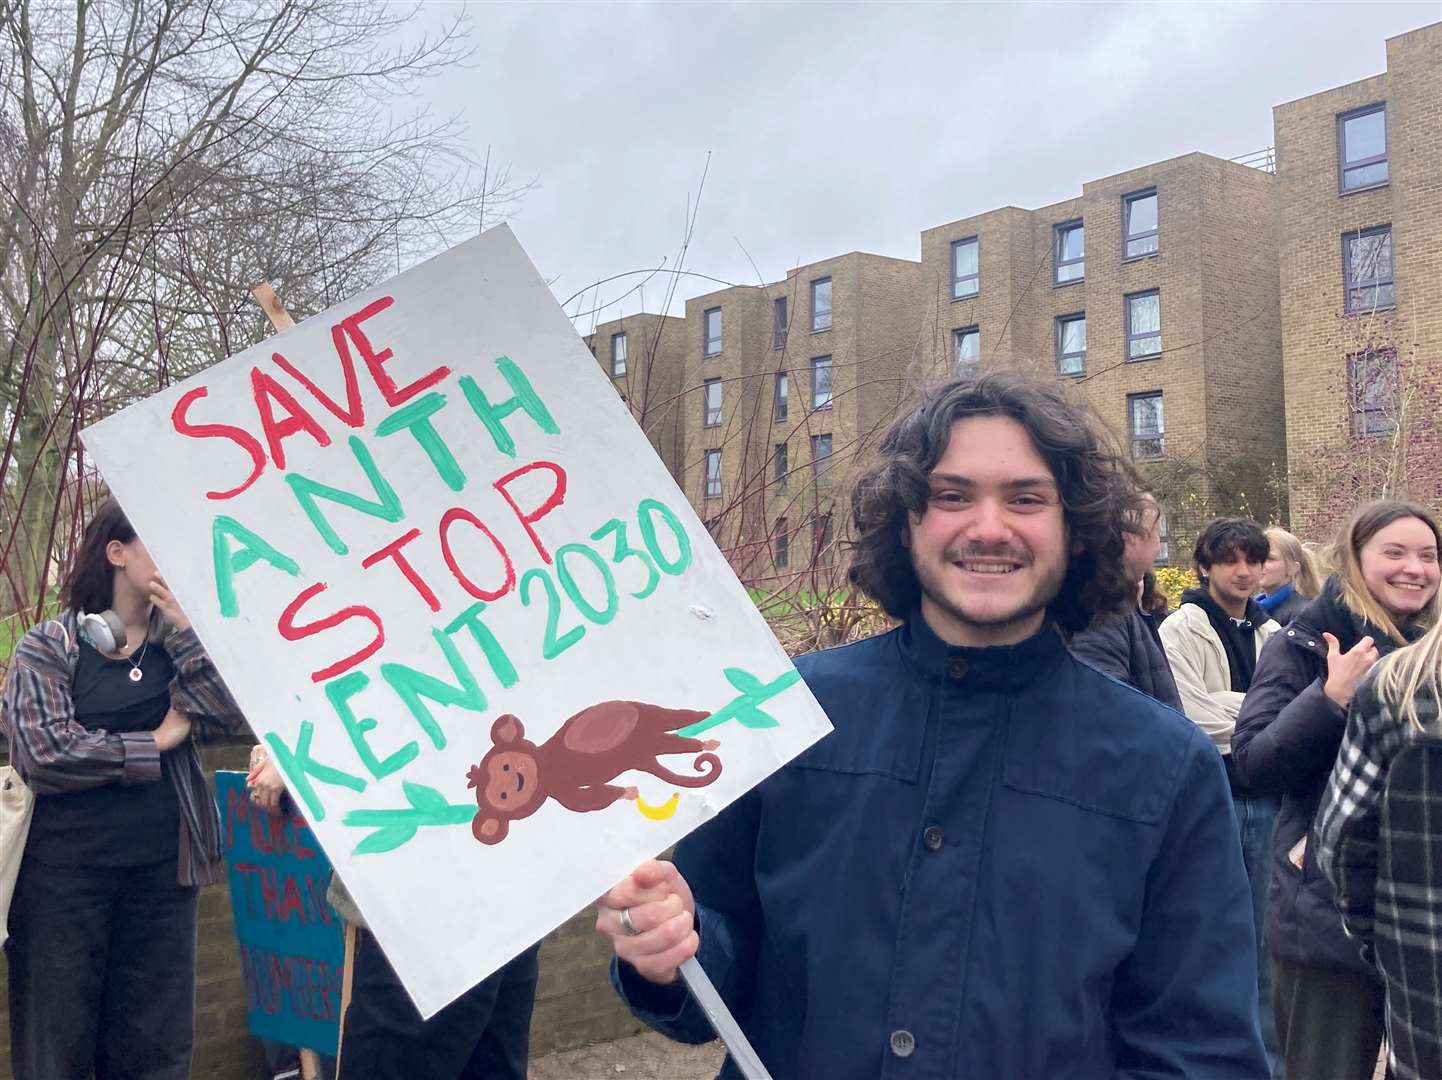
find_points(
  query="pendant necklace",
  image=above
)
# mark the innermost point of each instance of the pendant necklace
(135, 673)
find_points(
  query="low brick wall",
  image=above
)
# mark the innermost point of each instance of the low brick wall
(574, 1003)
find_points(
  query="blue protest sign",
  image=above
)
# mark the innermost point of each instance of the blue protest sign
(292, 946)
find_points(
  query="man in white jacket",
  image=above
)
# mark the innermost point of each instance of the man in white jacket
(1212, 641)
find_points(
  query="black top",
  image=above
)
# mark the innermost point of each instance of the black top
(1238, 636)
(113, 824)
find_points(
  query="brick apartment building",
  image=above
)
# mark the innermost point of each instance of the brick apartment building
(1153, 294)
(1359, 170)
(1254, 339)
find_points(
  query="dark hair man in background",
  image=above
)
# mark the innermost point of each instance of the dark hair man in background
(1213, 640)
(1128, 647)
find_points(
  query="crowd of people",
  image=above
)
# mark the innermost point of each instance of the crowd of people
(1057, 830)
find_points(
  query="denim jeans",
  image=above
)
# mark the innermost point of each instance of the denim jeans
(1256, 821)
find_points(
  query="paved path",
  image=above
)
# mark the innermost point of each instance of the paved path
(641, 1057)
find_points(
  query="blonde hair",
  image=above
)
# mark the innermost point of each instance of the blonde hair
(1408, 672)
(1306, 581)
(1324, 563)
(1366, 523)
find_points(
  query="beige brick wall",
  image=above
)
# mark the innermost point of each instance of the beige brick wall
(1317, 334)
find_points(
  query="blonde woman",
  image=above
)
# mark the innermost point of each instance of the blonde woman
(1328, 999)
(1289, 578)
(1379, 839)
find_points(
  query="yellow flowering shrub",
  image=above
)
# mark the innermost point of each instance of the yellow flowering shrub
(1173, 581)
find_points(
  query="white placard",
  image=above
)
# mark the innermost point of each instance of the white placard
(458, 595)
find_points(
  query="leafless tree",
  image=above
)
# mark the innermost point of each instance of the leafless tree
(157, 158)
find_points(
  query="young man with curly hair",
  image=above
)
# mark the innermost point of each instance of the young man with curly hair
(1001, 863)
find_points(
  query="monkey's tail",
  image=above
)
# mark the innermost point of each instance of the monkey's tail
(710, 763)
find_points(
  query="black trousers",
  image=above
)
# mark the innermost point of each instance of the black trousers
(1330, 1022)
(102, 973)
(484, 1034)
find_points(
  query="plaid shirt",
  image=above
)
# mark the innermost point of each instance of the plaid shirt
(1379, 836)
(54, 753)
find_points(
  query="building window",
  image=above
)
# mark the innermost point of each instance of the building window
(618, 355)
(1362, 148)
(713, 474)
(1071, 345)
(780, 545)
(1164, 550)
(711, 403)
(821, 459)
(1070, 252)
(821, 304)
(821, 382)
(822, 545)
(966, 351)
(782, 468)
(965, 268)
(1144, 325)
(1139, 224)
(778, 323)
(712, 321)
(781, 395)
(1372, 391)
(1144, 420)
(1367, 269)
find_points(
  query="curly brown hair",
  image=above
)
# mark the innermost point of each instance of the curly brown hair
(1102, 495)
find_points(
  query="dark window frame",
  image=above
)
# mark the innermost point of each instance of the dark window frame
(1358, 409)
(1059, 232)
(1127, 237)
(817, 365)
(1350, 284)
(956, 338)
(815, 328)
(780, 323)
(821, 464)
(620, 336)
(780, 544)
(823, 540)
(706, 350)
(1344, 166)
(976, 277)
(1160, 437)
(780, 398)
(710, 419)
(709, 481)
(1127, 325)
(781, 467)
(1061, 357)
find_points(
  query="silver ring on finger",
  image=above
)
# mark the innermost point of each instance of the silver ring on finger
(626, 923)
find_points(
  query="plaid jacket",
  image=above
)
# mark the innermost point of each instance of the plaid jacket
(1379, 841)
(53, 753)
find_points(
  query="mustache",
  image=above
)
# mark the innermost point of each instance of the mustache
(962, 552)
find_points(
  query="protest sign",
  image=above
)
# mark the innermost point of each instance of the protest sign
(292, 944)
(491, 646)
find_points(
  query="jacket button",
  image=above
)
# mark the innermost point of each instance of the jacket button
(933, 837)
(903, 1043)
(956, 667)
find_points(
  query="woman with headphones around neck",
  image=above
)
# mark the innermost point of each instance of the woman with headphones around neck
(103, 711)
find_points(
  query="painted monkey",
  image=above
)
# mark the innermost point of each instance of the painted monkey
(576, 765)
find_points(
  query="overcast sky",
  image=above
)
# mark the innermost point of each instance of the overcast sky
(835, 128)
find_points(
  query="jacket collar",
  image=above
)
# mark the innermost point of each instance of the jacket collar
(1327, 612)
(1000, 667)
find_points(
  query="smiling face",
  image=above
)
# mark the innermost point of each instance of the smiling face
(991, 548)
(511, 782)
(1232, 583)
(1399, 567)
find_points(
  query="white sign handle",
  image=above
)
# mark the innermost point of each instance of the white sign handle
(721, 1019)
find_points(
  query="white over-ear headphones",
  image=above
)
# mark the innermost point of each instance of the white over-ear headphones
(105, 631)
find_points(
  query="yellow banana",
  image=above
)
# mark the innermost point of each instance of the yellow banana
(662, 812)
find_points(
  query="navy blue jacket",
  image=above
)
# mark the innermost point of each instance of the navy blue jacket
(1127, 647)
(1002, 863)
